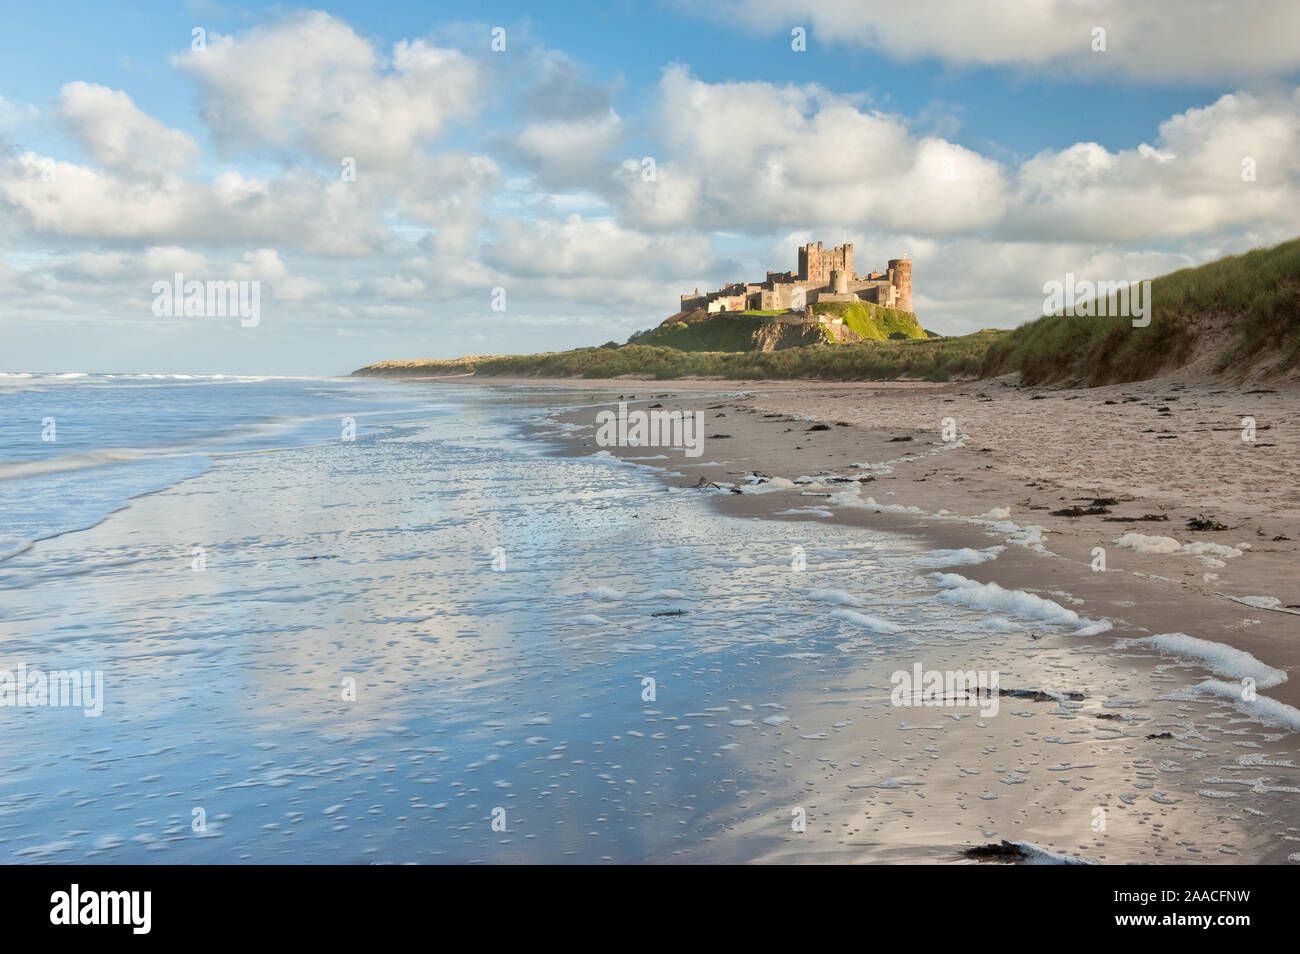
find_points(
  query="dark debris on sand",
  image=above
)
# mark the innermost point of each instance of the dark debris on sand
(1005, 851)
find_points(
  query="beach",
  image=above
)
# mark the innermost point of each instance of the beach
(1049, 476)
(462, 632)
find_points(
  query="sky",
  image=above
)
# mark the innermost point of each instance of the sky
(430, 180)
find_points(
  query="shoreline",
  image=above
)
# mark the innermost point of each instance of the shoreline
(1144, 716)
(773, 694)
(1196, 589)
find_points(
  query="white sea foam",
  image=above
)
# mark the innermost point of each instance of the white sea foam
(852, 497)
(1218, 658)
(1211, 554)
(1148, 544)
(963, 557)
(1266, 710)
(828, 594)
(1211, 549)
(1037, 855)
(873, 623)
(12, 546)
(760, 486)
(990, 597)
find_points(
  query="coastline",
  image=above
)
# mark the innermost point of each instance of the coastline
(1166, 448)
(774, 686)
(995, 471)
(956, 499)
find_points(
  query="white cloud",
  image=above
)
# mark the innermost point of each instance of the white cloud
(309, 82)
(12, 115)
(121, 137)
(1157, 40)
(1189, 183)
(446, 191)
(755, 156)
(262, 264)
(399, 287)
(169, 259)
(296, 208)
(569, 151)
(580, 248)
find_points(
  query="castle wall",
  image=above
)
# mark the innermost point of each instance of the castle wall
(728, 303)
(824, 275)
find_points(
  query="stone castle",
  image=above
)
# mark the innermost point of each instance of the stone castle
(824, 275)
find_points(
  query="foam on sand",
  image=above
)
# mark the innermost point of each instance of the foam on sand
(1266, 710)
(1216, 657)
(990, 597)
(1211, 549)
(1208, 552)
(759, 485)
(1148, 544)
(852, 497)
(1037, 855)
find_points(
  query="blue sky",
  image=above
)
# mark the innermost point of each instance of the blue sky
(519, 169)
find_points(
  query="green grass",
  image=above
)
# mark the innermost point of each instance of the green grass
(934, 359)
(738, 331)
(871, 321)
(1257, 294)
(725, 332)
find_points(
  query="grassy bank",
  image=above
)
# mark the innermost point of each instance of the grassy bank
(725, 332)
(871, 321)
(1251, 302)
(935, 359)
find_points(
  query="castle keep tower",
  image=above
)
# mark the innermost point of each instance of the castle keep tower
(816, 263)
(900, 276)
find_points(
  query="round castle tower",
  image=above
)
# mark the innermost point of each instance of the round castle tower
(900, 276)
(839, 281)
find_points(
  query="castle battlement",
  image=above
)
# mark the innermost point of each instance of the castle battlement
(823, 275)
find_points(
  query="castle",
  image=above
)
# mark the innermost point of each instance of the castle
(824, 275)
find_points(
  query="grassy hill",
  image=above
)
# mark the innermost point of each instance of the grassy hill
(740, 331)
(935, 359)
(746, 330)
(871, 322)
(1237, 317)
